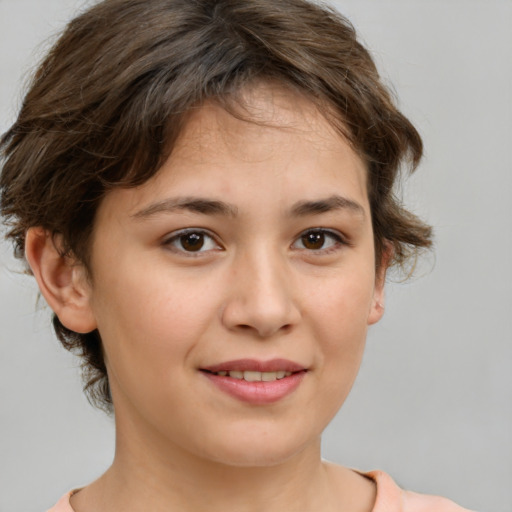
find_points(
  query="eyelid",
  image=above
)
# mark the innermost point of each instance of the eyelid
(339, 238)
(175, 235)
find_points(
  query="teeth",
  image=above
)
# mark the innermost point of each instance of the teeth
(252, 376)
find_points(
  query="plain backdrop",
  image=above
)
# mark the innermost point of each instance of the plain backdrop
(433, 402)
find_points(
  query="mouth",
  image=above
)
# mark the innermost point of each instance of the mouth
(252, 376)
(256, 382)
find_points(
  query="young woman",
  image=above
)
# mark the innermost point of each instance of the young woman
(203, 191)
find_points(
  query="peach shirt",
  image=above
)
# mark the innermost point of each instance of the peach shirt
(390, 498)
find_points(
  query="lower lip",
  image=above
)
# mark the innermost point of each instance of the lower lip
(258, 393)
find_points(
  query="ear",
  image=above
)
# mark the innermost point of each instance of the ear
(62, 280)
(378, 302)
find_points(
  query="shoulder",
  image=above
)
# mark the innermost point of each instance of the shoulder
(63, 504)
(391, 498)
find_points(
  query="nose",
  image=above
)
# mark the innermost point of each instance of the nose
(261, 300)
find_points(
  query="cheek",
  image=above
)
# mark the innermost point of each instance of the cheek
(339, 320)
(150, 320)
(342, 334)
(342, 304)
(338, 327)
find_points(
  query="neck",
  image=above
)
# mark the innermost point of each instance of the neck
(149, 473)
(178, 480)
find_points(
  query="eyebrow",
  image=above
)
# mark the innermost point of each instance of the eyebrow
(214, 207)
(334, 202)
(193, 204)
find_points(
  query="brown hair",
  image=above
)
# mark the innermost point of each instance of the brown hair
(108, 101)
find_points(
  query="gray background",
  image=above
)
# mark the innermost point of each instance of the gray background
(433, 402)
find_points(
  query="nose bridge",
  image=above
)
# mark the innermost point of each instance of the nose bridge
(268, 272)
(262, 298)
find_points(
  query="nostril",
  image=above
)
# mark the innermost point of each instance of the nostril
(266, 332)
(264, 318)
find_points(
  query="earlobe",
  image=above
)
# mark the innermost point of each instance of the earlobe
(378, 301)
(376, 311)
(62, 280)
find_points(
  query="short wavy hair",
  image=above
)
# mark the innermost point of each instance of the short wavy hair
(108, 101)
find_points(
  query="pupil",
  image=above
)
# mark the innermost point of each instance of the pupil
(313, 240)
(192, 241)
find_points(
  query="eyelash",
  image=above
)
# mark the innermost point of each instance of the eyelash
(336, 237)
(177, 238)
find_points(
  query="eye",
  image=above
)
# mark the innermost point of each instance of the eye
(318, 240)
(192, 241)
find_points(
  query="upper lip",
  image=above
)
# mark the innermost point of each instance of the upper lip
(255, 365)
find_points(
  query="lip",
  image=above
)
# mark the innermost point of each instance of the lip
(255, 365)
(260, 392)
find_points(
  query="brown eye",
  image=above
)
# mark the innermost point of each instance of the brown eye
(192, 241)
(313, 240)
(188, 242)
(319, 241)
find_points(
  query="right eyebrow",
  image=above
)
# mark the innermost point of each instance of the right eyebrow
(194, 204)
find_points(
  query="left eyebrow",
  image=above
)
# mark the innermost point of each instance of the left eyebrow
(334, 202)
(193, 204)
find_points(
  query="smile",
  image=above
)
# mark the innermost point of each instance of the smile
(254, 376)
(256, 382)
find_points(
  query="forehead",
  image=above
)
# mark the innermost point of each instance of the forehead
(261, 114)
(273, 143)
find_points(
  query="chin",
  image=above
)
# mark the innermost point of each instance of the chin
(255, 459)
(260, 450)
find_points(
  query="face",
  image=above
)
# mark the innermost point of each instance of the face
(233, 290)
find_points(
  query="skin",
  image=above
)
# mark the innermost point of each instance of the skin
(256, 289)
